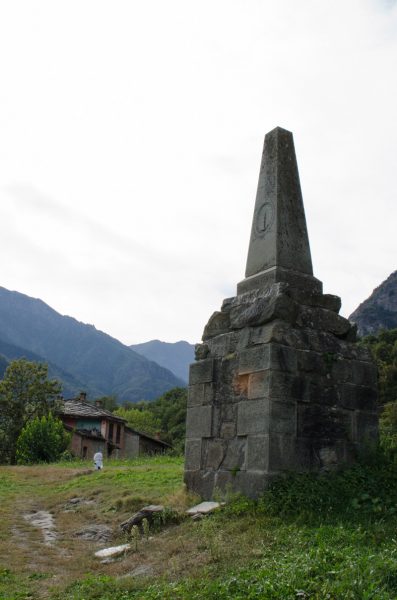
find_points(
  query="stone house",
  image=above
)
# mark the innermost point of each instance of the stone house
(95, 429)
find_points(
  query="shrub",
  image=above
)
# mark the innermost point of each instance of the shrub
(42, 440)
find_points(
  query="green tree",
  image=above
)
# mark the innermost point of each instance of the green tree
(42, 440)
(140, 419)
(25, 393)
(170, 410)
(384, 349)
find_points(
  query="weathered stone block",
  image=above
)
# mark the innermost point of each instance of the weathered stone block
(285, 454)
(319, 389)
(286, 385)
(219, 323)
(283, 358)
(251, 483)
(215, 452)
(327, 301)
(201, 482)
(200, 393)
(283, 417)
(320, 318)
(266, 279)
(253, 417)
(201, 371)
(359, 397)
(201, 351)
(310, 361)
(222, 345)
(235, 454)
(258, 452)
(262, 311)
(254, 359)
(199, 421)
(318, 421)
(193, 455)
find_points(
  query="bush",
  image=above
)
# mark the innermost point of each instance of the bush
(42, 441)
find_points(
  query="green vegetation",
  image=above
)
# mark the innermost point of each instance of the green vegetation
(384, 349)
(140, 419)
(25, 393)
(312, 537)
(166, 415)
(42, 441)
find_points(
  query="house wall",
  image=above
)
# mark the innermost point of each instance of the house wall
(147, 446)
(79, 443)
(131, 445)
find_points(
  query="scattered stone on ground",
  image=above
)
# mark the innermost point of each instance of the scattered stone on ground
(146, 512)
(203, 508)
(44, 521)
(113, 551)
(96, 533)
(74, 503)
(197, 517)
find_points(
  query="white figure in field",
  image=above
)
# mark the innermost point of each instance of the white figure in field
(98, 461)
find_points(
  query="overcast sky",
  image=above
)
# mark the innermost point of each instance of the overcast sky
(131, 135)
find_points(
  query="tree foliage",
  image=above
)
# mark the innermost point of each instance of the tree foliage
(140, 419)
(169, 411)
(25, 393)
(384, 349)
(42, 440)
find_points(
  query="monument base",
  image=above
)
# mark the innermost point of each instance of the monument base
(278, 386)
(266, 278)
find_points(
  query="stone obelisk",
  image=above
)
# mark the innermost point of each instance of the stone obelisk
(278, 383)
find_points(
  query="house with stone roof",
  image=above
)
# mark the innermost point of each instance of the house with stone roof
(95, 429)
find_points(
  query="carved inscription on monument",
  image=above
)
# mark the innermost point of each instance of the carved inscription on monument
(264, 219)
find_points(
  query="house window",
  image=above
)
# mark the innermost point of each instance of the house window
(118, 432)
(111, 431)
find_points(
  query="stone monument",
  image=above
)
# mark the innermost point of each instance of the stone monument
(278, 383)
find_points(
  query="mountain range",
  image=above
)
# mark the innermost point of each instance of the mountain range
(379, 311)
(79, 355)
(175, 357)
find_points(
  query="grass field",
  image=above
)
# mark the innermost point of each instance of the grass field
(327, 538)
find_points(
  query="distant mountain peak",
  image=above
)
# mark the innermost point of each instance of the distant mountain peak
(88, 356)
(379, 311)
(176, 356)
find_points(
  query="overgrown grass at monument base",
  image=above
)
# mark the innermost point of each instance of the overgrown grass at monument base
(328, 536)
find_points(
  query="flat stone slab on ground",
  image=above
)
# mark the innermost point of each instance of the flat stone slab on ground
(112, 551)
(44, 521)
(96, 533)
(203, 508)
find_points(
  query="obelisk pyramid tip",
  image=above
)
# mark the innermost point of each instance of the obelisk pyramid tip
(279, 237)
(278, 130)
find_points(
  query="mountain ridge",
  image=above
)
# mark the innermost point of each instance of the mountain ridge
(379, 310)
(89, 355)
(176, 356)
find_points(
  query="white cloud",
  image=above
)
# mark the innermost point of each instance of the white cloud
(131, 135)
